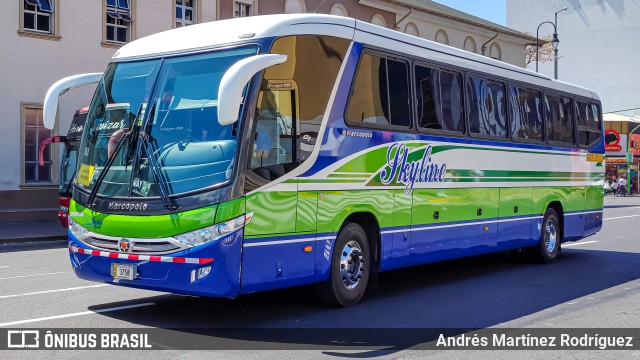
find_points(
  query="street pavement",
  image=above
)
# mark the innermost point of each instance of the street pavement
(595, 284)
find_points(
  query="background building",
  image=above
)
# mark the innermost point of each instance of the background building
(46, 40)
(599, 49)
(599, 45)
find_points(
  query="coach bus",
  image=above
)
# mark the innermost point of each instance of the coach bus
(274, 151)
(68, 159)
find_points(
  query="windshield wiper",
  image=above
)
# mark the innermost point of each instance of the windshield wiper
(135, 131)
(105, 169)
(107, 166)
(157, 174)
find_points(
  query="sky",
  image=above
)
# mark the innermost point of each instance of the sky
(492, 10)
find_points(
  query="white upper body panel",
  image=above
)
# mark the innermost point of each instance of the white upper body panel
(226, 32)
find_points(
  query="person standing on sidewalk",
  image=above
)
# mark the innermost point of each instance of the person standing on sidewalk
(622, 185)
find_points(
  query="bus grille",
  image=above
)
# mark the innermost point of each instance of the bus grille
(139, 247)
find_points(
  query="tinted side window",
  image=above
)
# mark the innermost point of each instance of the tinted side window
(451, 99)
(526, 113)
(428, 88)
(398, 79)
(380, 93)
(487, 108)
(559, 114)
(439, 99)
(588, 123)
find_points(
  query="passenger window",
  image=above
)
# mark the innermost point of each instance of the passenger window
(439, 99)
(559, 115)
(380, 93)
(487, 109)
(526, 113)
(588, 123)
(451, 100)
(292, 102)
(275, 126)
(398, 75)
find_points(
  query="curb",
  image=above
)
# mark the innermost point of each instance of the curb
(33, 239)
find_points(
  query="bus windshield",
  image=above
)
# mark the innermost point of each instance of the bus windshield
(178, 141)
(68, 167)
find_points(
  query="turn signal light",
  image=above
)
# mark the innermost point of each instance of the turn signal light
(308, 248)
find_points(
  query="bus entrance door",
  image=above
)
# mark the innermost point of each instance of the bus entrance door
(275, 249)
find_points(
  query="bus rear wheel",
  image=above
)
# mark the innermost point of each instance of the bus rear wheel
(350, 268)
(548, 249)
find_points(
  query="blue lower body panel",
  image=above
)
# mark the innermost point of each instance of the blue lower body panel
(165, 273)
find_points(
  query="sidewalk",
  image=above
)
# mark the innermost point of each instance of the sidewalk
(30, 232)
(620, 201)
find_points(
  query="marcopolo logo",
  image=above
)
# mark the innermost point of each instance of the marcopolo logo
(127, 206)
(409, 172)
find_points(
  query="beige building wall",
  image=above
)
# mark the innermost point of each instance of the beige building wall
(435, 22)
(31, 63)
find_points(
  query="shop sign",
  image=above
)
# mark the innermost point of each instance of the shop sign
(618, 160)
(635, 144)
(615, 143)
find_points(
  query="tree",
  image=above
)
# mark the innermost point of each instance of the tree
(545, 51)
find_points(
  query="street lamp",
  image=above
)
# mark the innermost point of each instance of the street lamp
(554, 42)
(555, 46)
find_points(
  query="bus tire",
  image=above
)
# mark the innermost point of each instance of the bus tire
(548, 249)
(350, 268)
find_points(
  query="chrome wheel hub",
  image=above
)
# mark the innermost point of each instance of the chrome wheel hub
(351, 264)
(550, 236)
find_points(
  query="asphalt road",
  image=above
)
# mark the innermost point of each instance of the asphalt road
(595, 284)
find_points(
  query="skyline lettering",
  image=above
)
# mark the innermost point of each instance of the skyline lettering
(411, 172)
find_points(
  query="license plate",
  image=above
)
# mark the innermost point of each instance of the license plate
(124, 271)
(595, 157)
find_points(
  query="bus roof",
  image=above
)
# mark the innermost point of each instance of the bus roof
(225, 32)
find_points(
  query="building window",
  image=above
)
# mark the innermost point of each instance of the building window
(495, 52)
(185, 12)
(339, 10)
(379, 20)
(412, 29)
(118, 21)
(34, 134)
(295, 7)
(38, 16)
(470, 44)
(441, 37)
(242, 9)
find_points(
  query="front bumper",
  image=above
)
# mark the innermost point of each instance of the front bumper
(168, 273)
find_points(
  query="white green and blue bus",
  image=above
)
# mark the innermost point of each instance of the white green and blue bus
(275, 151)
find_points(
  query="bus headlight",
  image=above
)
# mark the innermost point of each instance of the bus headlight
(77, 230)
(214, 232)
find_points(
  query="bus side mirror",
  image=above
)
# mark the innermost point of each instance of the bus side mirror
(234, 81)
(47, 142)
(50, 108)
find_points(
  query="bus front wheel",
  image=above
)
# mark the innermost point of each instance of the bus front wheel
(548, 250)
(350, 268)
